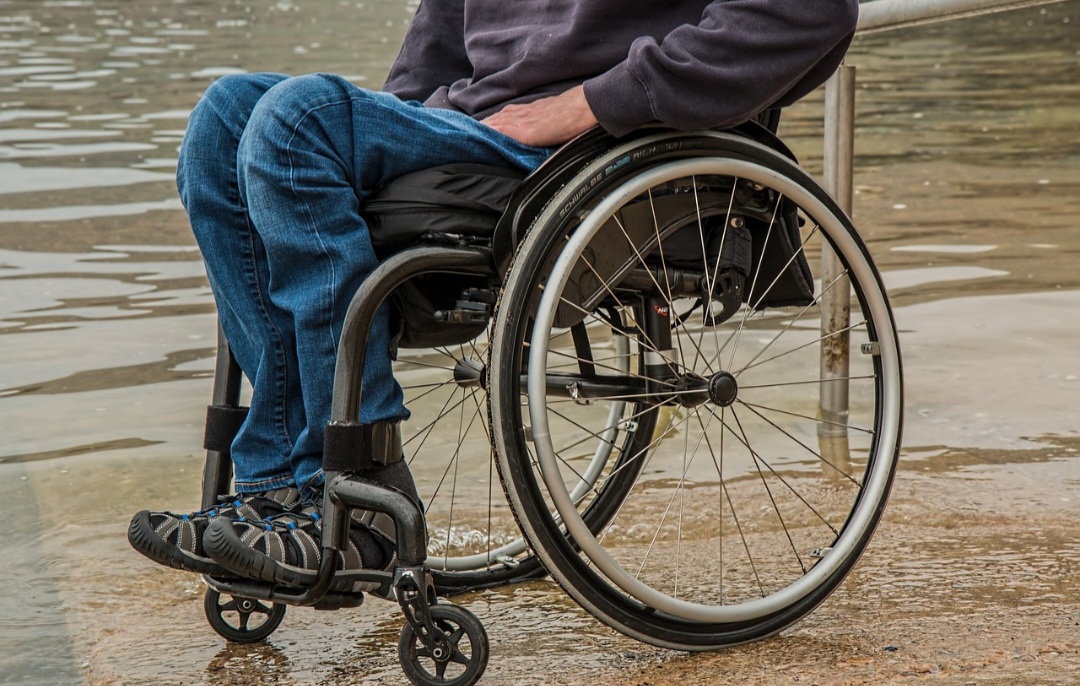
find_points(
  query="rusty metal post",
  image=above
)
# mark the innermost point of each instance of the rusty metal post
(836, 304)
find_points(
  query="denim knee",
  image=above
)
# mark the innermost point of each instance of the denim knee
(216, 124)
(290, 111)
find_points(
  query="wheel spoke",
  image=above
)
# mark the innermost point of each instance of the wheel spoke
(449, 465)
(841, 425)
(720, 475)
(648, 453)
(433, 384)
(575, 359)
(459, 657)
(599, 434)
(742, 537)
(810, 450)
(428, 365)
(670, 429)
(776, 508)
(427, 428)
(816, 301)
(760, 460)
(833, 334)
(456, 461)
(643, 341)
(451, 385)
(751, 310)
(645, 268)
(813, 382)
(667, 510)
(710, 275)
(753, 284)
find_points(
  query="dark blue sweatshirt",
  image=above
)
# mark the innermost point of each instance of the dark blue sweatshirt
(684, 63)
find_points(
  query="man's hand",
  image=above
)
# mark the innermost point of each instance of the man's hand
(545, 122)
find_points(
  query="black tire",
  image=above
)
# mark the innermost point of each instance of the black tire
(719, 182)
(232, 619)
(464, 663)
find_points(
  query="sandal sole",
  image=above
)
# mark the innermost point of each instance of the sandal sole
(145, 540)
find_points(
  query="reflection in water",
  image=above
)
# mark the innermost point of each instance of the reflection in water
(966, 141)
(34, 630)
(835, 453)
(248, 663)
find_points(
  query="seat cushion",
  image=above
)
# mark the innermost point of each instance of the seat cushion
(463, 199)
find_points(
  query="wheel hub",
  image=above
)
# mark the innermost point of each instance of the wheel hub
(470, 373)
(723, 389)
(720, 389)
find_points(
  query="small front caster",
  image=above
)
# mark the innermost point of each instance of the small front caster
(459, 655)
(241, 620)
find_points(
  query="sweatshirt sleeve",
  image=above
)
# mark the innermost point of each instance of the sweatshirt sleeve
(433, 53)
(743, 57)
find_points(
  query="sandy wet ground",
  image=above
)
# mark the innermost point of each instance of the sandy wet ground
(972, 577)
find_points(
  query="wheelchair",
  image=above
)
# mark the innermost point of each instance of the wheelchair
(636, 348)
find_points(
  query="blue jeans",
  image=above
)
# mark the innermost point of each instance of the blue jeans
(273, 171)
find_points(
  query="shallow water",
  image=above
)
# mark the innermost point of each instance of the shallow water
(968, 193)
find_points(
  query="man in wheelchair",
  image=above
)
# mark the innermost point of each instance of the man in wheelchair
(274, 171)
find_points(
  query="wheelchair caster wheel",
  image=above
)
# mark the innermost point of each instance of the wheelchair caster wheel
(461, 658)
(241, 620)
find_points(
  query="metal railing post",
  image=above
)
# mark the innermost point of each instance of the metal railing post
(886, 15)
(836, 304)
(880, 15)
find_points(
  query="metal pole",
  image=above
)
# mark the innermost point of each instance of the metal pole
(217, 472)
(882, 15)
(836, 304)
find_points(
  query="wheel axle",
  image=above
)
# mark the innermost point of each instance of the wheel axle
(720, 389)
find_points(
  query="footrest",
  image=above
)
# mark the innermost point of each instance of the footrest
(338, 601)
(332, 600)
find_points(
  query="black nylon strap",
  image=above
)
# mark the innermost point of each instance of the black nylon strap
(355, 447)
(222, 424)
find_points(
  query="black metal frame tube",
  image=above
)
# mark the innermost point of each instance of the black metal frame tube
(358, 493)
(348, 374)
(580, 386)
(217, 472)
(656, 322)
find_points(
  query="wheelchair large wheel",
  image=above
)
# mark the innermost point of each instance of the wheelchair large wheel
(749, 503)
(474, 541)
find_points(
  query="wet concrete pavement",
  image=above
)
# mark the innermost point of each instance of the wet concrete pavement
(969, 195)
(973, 578)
